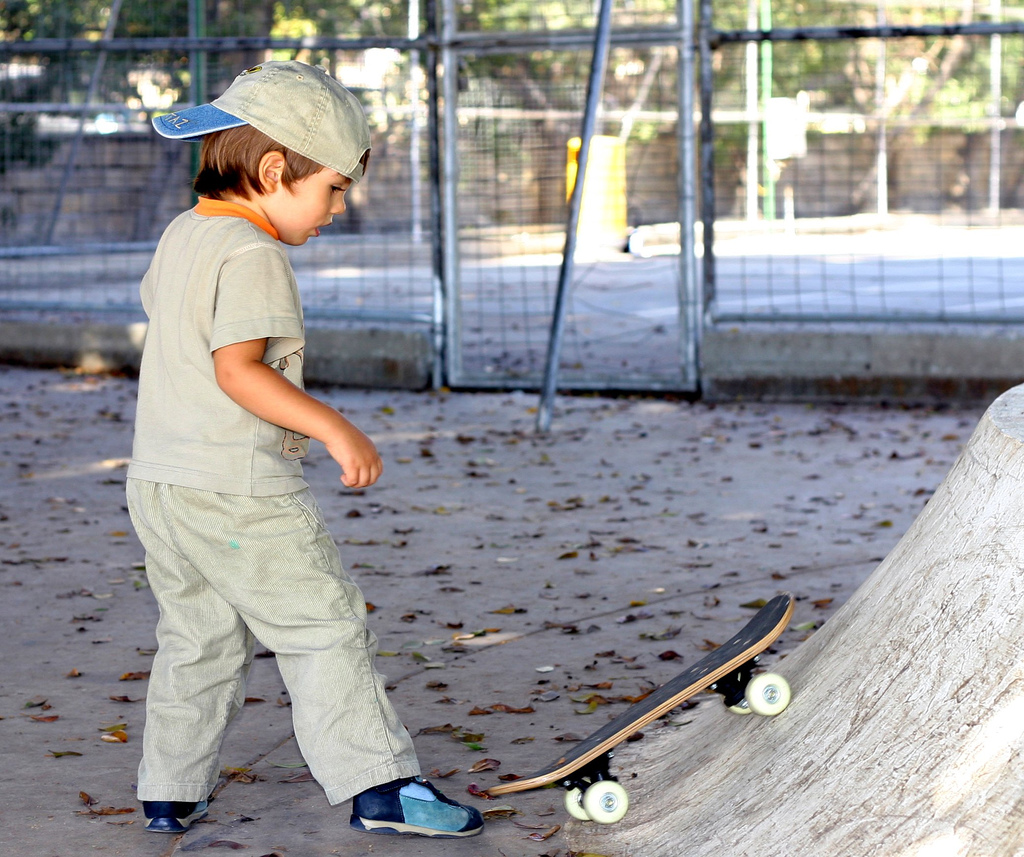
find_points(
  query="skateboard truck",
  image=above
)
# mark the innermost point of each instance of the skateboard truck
(766, 694)
(593, 794)
(592, 772)
(733, 686)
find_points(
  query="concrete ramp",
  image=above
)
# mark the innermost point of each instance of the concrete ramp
(906, 731)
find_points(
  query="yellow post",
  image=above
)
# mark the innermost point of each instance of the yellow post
(603, 207)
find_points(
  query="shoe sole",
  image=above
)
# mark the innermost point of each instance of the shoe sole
(393, 828)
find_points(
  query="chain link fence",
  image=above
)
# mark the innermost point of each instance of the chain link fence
(870, 172)
(863, 164)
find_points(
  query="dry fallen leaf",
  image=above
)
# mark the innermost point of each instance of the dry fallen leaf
(485, 765)
(437, 730)
(241, 775)
(135, 676)
(106, 810)
(592, 706)
(547, 834)
(500, 812)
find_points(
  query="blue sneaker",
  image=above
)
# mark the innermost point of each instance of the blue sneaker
(166, 816)
(413, 806)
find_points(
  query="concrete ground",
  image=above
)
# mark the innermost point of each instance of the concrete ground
(523, 588)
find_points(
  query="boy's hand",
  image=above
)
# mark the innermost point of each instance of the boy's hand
(261, 390)
(357, 456)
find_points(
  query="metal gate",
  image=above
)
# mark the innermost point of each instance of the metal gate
(633, 318)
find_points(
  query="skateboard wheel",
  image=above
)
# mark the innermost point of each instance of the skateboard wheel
(605, 802)
(574, 805)
(768, 694)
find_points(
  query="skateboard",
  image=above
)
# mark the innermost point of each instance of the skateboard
(592, 793)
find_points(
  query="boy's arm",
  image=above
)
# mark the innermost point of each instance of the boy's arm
(261, 390)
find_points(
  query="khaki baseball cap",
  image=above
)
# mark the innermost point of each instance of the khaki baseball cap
(297, 105)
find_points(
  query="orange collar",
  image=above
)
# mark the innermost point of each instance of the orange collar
(207, 207)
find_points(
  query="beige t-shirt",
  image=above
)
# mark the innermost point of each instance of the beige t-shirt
(219, 276)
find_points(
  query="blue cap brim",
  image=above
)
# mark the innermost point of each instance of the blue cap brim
(192, 123)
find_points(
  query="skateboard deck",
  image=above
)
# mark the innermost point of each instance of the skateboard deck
(727, 670)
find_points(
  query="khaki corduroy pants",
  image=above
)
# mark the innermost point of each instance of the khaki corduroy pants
(227, 570)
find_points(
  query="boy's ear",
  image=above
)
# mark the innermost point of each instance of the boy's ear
(271, 168)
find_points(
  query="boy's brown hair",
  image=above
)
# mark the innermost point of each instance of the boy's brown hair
(229, 163)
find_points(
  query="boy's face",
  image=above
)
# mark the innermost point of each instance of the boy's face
(298, 213)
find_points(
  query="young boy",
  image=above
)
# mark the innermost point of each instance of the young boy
(236, 547)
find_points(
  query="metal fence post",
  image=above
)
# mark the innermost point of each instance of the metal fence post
(449, 179)
(197, 68)
(437, 225)
(707, 152)
(690, 304)
(594, 86)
